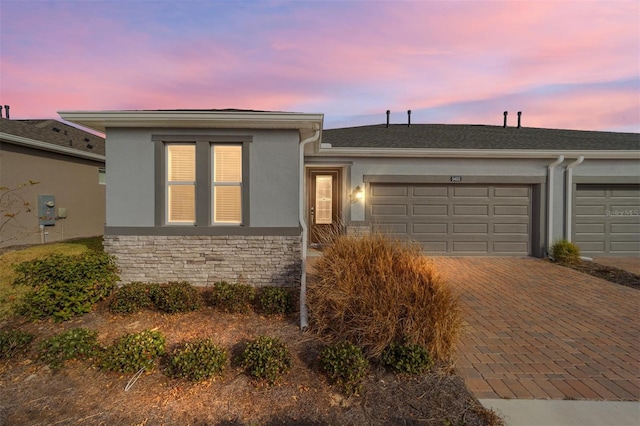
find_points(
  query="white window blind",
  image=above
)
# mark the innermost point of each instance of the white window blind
(227, 184)
(181, 174)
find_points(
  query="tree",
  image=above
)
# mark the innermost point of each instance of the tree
(12, 205)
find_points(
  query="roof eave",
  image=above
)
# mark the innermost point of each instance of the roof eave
(101, 120)
(476, 153)
(19, 140)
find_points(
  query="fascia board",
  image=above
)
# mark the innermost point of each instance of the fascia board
(101, 120)
(19, 140)
(477, 153)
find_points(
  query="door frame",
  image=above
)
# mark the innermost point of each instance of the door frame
(337, 198)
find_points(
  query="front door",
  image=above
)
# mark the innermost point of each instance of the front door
(324, 203)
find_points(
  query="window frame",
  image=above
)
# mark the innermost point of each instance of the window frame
(170, 183)
(204, 178)
(214, 184)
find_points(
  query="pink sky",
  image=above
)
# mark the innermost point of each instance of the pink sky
(564, 64)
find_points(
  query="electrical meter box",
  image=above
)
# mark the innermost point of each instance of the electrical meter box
(46, 210)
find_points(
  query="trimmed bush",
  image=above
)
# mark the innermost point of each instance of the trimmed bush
(175, 297)
(275, 301)
(564, 251)
(197, 360)
(372, 291)
(77, 343)
(344, 365)
(266, 358)
(65, 286)
(14, 342)
(406, 358)
(232, 298)
(131, 298)
(134, 351)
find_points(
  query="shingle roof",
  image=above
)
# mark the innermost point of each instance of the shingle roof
(54, 132)
(454, 136)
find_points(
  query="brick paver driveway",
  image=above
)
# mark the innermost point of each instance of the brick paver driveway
(538, 330)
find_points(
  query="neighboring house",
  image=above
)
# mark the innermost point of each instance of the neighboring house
(208, 195)
(69, 165)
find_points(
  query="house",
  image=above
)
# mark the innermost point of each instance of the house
(68, 165)
(208, 195)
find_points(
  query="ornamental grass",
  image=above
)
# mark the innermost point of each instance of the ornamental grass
(373, 291)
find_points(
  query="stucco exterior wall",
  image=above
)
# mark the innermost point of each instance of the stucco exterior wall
(273, 175)
(73, 182)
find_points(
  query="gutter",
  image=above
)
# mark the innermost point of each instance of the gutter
(569, 195)
(551, 167)
(305, 231)
(19, 140)
(474, 153)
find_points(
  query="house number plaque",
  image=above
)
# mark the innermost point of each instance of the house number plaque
(456, 178)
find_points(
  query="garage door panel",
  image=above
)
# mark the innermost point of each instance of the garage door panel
(511, 211)
(389, 209)
(430, 228)
(632, 229)
(471, 219)
(471, 210)
(471, 228)
(606, 220)
(512, 192)
(430, 210)
(430, 191)
(511, 228)
(471, 191)
(590, 228)
(389, 191)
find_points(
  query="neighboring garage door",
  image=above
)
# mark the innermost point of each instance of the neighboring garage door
(606, 221)
(455, 219)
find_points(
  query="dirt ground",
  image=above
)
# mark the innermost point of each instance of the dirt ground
(31, 394)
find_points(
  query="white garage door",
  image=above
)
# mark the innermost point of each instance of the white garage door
(455, 219)
(606, 220)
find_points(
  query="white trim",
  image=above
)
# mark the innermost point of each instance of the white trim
(473, 153)
(550, 170)
(569, 195)
(101, 120)
(45, 146)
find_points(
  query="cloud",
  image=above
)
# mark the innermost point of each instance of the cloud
(458, 61)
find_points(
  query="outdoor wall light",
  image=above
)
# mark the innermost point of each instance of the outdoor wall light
(357, 195)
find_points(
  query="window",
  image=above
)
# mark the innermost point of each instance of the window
(203, 181)
(227, 184)
(181, 184)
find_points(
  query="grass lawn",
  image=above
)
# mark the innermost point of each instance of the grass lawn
(10, 295)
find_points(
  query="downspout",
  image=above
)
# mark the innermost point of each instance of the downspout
(569, 194)
(551, 167)
(303, 223)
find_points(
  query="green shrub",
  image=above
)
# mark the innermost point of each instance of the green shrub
(344, 365)
(372, 291)
(197, 360)
(134, 351)
(175, 297)
(266, 358)
(275, 301)
(406, 358)
(77, 343)
(14, 342)
(234, 298)
(131, 298)
(564, 251)
(65, 286)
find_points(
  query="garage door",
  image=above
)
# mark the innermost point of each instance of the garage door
(606, 220)
(455, 219)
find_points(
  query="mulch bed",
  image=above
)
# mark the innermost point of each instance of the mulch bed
(609, 273)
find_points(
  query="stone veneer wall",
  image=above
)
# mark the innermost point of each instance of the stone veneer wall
(358, 229)
(204, 260)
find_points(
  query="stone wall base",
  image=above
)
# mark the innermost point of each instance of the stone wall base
(203, 260)
(358, 230)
